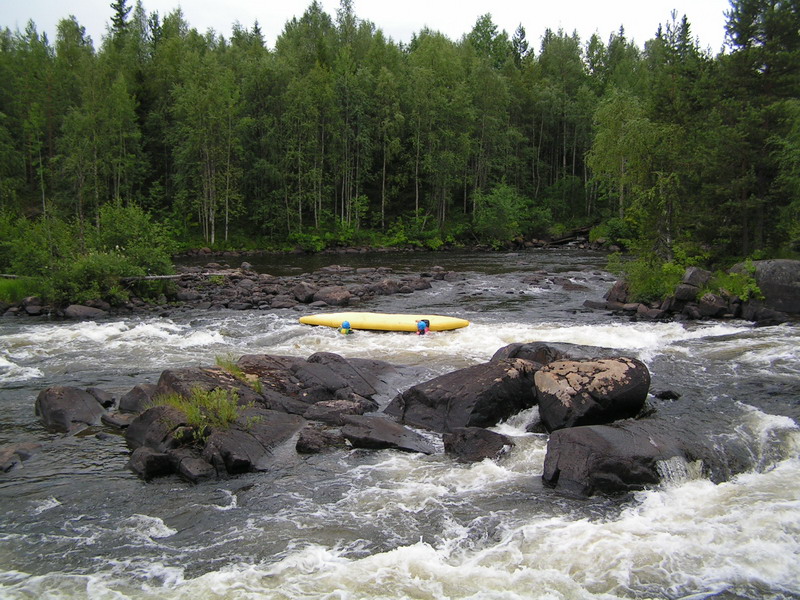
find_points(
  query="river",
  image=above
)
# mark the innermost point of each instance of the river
(388, 525)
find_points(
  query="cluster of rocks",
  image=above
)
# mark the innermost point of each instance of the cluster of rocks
(216, 286)
(213, 286)
(591, 402)
(778, 280)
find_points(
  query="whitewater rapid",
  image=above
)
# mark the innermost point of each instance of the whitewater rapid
(357, 524)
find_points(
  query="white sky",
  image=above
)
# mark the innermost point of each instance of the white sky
(399, 19)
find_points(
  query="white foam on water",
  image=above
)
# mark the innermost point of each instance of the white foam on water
(692, 538)
(46, 505)
(146, 528)
(10, 371)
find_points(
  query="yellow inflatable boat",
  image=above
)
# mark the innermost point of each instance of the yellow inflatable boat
(384, 321)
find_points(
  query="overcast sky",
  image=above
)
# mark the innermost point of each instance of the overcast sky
(399, 19)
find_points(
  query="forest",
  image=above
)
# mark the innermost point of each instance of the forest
(164, 138)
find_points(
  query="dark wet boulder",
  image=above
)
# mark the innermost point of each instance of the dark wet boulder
(83, 313)
(66, 409)
(335, 295)
(313, 440)
(106, 399)
(607, 459)
(712, 305)
(778, 280)
(381, 433)
(160, 428)
(187, 380)
(186, 295)
(334, 412)
(273, 372)
(138, 399)
(283, 301)
(362, 381)
(618, 292)
(418, 283)
(195, 469)
(477, 396)
(589, 392)
(474, 444)
(546, 352)
(33, 306)
(648, 313)
(250, 444)
(757, 311)
(148, 463)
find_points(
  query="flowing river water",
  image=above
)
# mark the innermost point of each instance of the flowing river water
(356, 524)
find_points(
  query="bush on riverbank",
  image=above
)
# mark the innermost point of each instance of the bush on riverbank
(77, 261)
(651, 279)
(14, 290)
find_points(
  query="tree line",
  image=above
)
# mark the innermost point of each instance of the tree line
(340, 135)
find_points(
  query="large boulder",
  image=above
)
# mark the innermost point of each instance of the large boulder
(274, 373)
(590, 392)
(148, 463)
(185, 381)
(138, 398)
(636, 453)
(249, 444)
(66, 409)
(606, 459)
(546, 352)
(477, 396)
(696, 277)
(314, 439)
(334, 412)
(474, 444)
(779, 281)
(380, 433)
(160, 428)
(362, 381)
(385, 287)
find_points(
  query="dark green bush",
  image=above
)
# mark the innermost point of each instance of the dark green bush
(649, 279)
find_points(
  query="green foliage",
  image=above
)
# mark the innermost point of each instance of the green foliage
(649, 279)
(742, 285)
(498, 216)
(14, 290)
(92, 276)
(130, 231)
(339, 129)
(614, 231)
(205, 410)
(308, 242)
(77, 262)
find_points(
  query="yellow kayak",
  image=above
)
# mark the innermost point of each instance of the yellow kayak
(384, 321)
